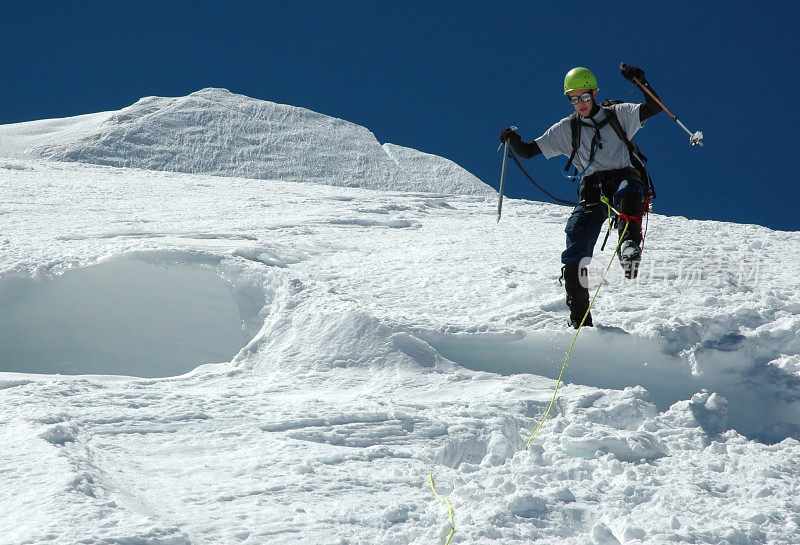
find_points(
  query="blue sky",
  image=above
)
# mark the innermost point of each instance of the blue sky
(445, 77)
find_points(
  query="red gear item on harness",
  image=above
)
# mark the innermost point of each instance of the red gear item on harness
(637, 218)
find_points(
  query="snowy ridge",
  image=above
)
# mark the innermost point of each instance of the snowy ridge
(214, 131)
(27, 139)
(367, 339)
(431, 171)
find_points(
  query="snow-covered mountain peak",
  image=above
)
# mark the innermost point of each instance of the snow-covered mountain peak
(215, 131)
(214, 101)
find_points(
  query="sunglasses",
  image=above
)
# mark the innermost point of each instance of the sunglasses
(586, 97)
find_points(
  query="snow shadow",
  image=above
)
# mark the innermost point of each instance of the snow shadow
(760, 405)
(144, 315)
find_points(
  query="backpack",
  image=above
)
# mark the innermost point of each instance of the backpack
(638, 159)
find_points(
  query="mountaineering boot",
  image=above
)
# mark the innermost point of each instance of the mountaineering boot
(576, 283)
(629, 257)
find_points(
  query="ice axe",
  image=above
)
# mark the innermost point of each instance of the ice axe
(503, 175)
(695, 139)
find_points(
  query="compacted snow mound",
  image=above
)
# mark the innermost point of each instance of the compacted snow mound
(214, 131)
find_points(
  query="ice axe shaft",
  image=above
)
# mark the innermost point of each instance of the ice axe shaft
(695, 139)
(503, 176)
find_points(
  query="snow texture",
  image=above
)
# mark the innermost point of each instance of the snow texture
(202, 359)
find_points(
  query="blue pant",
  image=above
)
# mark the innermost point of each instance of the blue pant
(586, 222)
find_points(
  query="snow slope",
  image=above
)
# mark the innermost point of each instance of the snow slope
(27, 139)
(190, 357)
(384, 336)
(214, 131)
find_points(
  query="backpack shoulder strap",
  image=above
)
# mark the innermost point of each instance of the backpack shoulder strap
(636, 154)
(575, 127)
(613, 120)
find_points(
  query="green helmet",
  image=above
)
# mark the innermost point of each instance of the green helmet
(579, 78)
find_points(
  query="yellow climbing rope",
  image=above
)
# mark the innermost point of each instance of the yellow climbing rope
(586, 314)
(563, 367)
(450, 507)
